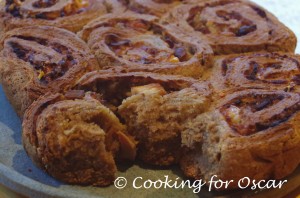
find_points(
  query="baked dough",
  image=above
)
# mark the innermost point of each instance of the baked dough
(76, 139)
(253, 133)
(68, 14)
(40, 59)
(260, 70)
(153, 7)
(153, 107)
(137, 43)
(233, 26)
(238, 116)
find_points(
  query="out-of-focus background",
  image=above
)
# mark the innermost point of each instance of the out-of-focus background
(287, 11)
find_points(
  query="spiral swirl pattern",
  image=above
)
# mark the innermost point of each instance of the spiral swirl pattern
(272, 70)
(233, 26)
(47, 59)
(140, 44)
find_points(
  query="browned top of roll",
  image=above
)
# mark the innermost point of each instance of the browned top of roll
(257, 70)
(138, 43)
(239, 25)
(252, 111)
(54, 56)
(69, 14)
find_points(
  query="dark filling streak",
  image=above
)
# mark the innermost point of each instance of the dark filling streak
(115, 42)
(259, 11)
(259, 103)
(229, 15)
(44, 3)
(278, 119)
(264, 126)
(41, 16)
(18, 50)
(41, 41)
(296, 79)
(246, 29)
(237, 102)
(254, 69)
(180, 53)
(277, 82)
(252, 72)
(224, 67)
(52, 70)
(194, 12)
(169, 41)
(11, 8)
(275, 65)
(263, 104)
(156, 29)
(14, 9)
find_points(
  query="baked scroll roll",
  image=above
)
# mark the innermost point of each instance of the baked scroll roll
(279, 71)
(153, 7)
(153, 107)
(76, 139)
(68, 14)
(233, 26)
(39, 59)
(253, 133)
(137, 43)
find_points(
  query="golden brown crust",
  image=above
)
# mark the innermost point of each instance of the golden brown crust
(137, 43)
(257, 70)
(153, 107)
(71, 15)
(251, 133)
(75, 138)
(39, 61)
(232, 26)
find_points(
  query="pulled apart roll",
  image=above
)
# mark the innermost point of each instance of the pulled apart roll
(233, 26)
(279, 71)
(253, 133)
(137, 43)
(76, 139)
(68, 14)
(153, 107)
(47, 59)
